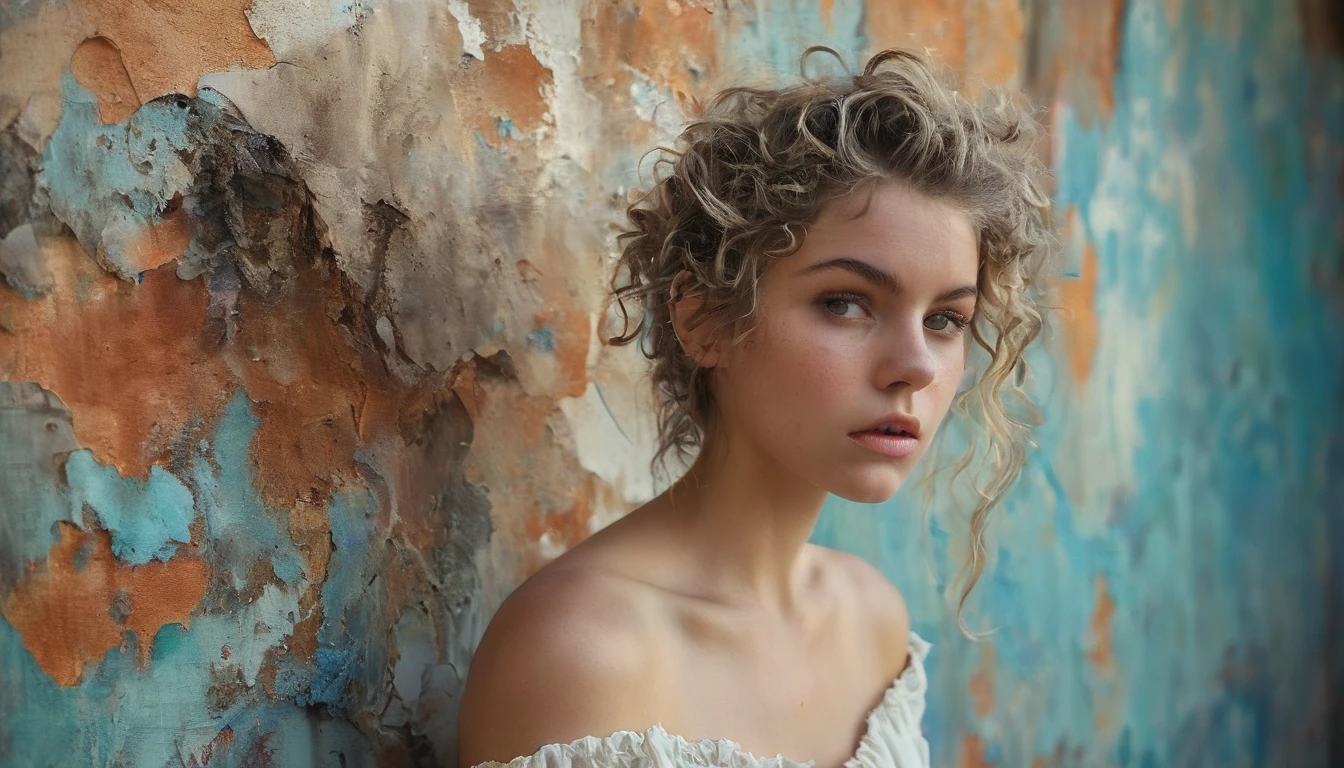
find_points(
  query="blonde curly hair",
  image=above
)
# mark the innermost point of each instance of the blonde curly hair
(757, 166)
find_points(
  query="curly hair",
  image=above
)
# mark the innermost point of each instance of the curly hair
(757, 166)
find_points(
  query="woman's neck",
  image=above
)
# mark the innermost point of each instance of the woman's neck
(747, 520)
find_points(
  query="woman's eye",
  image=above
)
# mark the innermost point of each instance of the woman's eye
(839, 307)
(944, 321)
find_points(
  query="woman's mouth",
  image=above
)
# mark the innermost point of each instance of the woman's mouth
(896, 443)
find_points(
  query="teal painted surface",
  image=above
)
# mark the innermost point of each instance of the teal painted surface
(242, 528)
(1165, 583)
(138, 159)
(146, 519)
(1190, 475)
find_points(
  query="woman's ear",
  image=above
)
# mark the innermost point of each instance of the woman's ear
(694, 334)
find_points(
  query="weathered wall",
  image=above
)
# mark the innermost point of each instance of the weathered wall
(303, 372)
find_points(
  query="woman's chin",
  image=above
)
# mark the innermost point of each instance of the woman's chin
(872, 486)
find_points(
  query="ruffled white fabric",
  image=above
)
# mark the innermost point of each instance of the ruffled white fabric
(894, 738)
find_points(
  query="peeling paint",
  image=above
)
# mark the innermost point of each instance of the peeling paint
(209, 38)
(98, 66)
(300, 368)
(147, 520)
(243, 530)
(469, 27)
(35, 436)
(75, 609)
(293, 29)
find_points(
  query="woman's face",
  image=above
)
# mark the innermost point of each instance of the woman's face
(864, 324)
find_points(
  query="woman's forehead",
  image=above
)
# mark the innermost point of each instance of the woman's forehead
(891, 229)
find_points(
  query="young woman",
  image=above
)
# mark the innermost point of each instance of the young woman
(814, 264)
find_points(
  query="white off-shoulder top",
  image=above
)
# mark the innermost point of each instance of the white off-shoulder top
(893, 739)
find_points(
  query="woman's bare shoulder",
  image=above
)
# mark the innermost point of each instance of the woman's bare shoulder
(878, 600)
(570, 653)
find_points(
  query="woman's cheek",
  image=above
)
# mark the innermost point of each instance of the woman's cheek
(949, 379)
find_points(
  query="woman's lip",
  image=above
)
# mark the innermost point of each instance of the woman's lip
(895, 446)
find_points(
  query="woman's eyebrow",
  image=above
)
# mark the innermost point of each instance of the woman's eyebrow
(883, 280)
(957, 293)
(861, 268)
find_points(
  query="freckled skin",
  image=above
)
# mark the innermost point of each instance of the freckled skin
(707, 610)
(808, 377)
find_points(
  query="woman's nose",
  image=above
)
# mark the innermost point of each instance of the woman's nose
(906, 358)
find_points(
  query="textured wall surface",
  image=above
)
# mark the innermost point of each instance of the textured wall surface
(301, 367)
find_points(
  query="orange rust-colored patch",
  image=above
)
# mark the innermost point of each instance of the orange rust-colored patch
(62, 609)
(567, 527)
(1176, 7)
(528, 415)
(317, 399)
(564, 313)
(507, 85)
(302, 641)
(35, 52)
(986, 45)
(1078, 298)
(1102, 655)
(308, 384)
(61, 612)
(939, 25)
(994, 40)
(982, 682)
(1090, 52)
(97, 65)
(162, 242)
(206, 37)
(310, 530)
(497, 19)
(541, 499)
(973, 753)
(161, 593)
(572, 331)
(515, 77)
(670, 47)
(466, 385)
(222, 741)
(671, 43)
(156, 367)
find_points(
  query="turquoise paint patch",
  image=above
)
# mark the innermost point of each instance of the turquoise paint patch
(507, 129)
(44, 724)
(351, 602)
(778, 33)
(351, 514)
(37, 716)
(111, 182)
(289, 735)
(147, 519)
(167, 642)
(241, 527)
(543, 339)
(336, 667)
